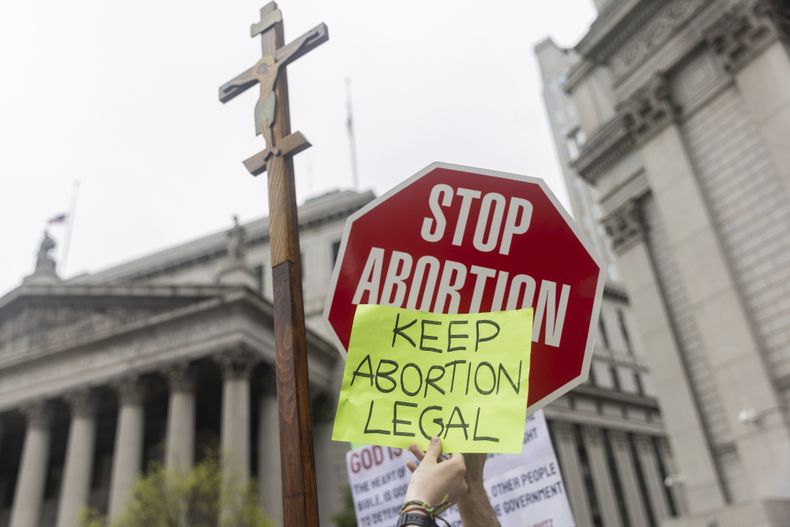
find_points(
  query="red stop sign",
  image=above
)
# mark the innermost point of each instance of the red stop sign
(454, 239)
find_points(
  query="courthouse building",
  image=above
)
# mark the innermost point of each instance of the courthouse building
(153, 359)
(637, 510)
(678, 114)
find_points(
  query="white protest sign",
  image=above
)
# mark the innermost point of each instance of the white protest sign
(526, 489)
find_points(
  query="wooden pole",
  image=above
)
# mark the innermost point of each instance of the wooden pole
(300, 499)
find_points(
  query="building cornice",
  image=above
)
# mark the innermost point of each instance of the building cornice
(649, 109)
(205, 299)
(610, 143)
(29, 292)
(625, 226)
(615, 291)
(240, 319)
(613, 27)
(746, 29)
(645, 113)
(655, 32)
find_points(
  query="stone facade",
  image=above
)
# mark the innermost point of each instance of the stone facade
(642, 498)
(685, 107)
(156, 358)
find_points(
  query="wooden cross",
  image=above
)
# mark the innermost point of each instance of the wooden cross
(272, 120)
(266, 73)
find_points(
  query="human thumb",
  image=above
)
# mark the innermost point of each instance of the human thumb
(434, 449)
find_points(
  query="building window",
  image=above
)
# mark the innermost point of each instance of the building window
(335, 252)
(602, 331)
(640, 388)
(624, 331)
(258, 271)
(615, 378)
(574, 140)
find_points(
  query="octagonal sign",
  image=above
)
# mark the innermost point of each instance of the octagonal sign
(454, 239)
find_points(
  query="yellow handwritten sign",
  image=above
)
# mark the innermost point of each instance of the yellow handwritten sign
(411, 375)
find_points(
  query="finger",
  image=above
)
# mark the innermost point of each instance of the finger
(434, 449)
(458, 459)
(417, 451)
(412, 465)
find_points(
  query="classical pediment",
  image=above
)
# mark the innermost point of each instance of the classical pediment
(39, 317)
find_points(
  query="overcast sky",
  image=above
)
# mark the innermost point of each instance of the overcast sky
(122, 96)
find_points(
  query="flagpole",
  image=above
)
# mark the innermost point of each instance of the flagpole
(351, 138)
(69, 227)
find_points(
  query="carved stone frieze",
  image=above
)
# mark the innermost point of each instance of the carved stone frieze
(746, 29)
(625, 226)
(653, 35)
(42, 325)
(649, 108)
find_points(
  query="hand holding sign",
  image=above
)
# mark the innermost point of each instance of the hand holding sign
(437, 482)
(411, 375)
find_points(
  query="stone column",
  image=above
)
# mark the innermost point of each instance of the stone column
(653, 479)
(565, 439)
(604, 490)
(75, 489)
(269, 480)
(749, 42)
(628, 478)
(329, 496)
(734, 353)
(662, 353)
(676, 480)
(29, 493)
(128, 455)
(180, 442)
(235, 440)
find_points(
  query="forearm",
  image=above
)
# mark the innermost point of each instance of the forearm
(476, 510)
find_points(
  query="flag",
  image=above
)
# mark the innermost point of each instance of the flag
(58, 218)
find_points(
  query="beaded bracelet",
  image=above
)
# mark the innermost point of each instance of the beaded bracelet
(431, 510)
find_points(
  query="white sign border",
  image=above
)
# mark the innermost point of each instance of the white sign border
(590, 346)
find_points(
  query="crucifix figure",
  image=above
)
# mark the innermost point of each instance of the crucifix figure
(266, 74)
(272, 120)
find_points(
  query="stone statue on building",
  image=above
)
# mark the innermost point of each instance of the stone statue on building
(45, 270)
(44, 260)
(234, 270)
(237, 238)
